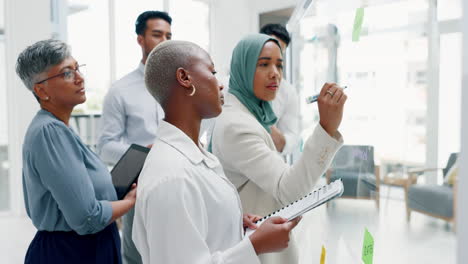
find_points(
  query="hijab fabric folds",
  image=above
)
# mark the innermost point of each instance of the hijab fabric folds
(241, 81)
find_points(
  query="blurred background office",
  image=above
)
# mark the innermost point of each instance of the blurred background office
(403, 118)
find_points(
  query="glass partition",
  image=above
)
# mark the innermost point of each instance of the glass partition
(4, 160)
(384, 127)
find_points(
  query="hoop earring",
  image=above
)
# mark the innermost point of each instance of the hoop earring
(194, 90)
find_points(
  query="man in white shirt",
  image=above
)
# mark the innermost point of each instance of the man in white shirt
(286, 132)
(130, 114)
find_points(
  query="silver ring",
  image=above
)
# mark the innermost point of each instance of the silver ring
(330, 93)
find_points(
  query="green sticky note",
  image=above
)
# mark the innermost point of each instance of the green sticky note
(358, 19)
(368, 248)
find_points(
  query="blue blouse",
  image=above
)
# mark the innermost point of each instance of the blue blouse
(66, 186)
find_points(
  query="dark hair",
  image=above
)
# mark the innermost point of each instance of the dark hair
(140, 24)
(278, 30)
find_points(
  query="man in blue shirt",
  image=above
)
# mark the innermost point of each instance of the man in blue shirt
(130, 114)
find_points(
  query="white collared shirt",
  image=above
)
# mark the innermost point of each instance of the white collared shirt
(187, 211)
(286, 108)
(130, 115)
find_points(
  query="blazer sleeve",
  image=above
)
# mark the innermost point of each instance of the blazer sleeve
(244, 148)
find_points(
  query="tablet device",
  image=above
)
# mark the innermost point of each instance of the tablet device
(128, 168)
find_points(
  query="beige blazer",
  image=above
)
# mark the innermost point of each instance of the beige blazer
(264, 181)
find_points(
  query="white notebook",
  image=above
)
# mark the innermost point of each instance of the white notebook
(315, 198)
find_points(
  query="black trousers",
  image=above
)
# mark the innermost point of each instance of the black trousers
(70, 248)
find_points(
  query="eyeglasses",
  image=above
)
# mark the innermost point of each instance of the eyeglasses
(69, 75)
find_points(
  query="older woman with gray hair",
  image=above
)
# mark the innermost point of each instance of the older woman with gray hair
(68, 191)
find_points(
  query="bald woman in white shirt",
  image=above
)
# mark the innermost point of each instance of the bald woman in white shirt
(187, 210)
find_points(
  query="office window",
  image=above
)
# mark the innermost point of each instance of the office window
(450, 95)
(386, 116)
(389, 60)
(128, 52)
(88, 35)
(449, 9)
(191, 20)
(4, 160)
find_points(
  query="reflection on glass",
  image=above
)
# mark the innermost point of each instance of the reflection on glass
(4, 160)
(384, 128)
(389, 61)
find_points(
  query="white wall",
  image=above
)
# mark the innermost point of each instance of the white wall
(262, 6)
(2, 5)
(228, 25)
(25, 23)
(231, 21)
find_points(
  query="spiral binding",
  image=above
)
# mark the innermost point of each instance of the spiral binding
(277, 211)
